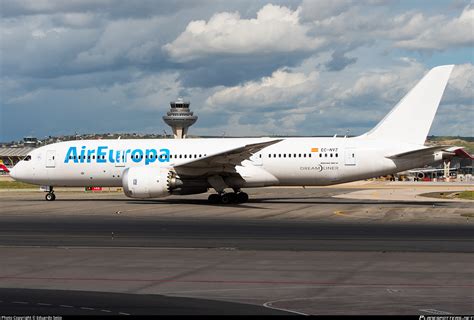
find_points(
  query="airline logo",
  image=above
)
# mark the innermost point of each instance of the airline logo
(104, 154)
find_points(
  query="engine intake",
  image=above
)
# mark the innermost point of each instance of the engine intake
(149, 182)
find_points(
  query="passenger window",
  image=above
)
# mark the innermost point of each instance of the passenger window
(320, 155)
(330, 155)
(336, 155)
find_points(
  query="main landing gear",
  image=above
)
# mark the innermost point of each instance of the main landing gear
(226, 198)
(50, 196)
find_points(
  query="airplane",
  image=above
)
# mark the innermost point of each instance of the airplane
(3, 168)
(153, 168)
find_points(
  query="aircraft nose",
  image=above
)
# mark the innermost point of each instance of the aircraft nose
(16, 173)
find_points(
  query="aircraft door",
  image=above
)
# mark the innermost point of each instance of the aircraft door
(50, 158)
(350, 157)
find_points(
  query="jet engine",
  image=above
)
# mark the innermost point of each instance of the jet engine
(149, 182)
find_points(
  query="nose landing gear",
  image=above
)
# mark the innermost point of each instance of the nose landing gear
(50, 196)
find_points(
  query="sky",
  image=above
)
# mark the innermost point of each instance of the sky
(249, 68)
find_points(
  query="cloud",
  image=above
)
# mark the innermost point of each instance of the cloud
(339, 61)
(115, 9)
(460, 88)
(282, 89)
(436, 33)
(248, 67)
(320, 10)
(275, 29)
(142, 45)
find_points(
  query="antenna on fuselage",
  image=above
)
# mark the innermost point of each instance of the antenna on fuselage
(347, 133)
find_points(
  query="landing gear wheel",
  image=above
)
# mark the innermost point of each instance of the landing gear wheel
(242, 197)
(226, 198)
(214, 198)
(50, 196)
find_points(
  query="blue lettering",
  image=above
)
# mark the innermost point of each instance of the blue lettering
(137, 155)
(89, 155)
(111, 156)
(164, 155)
(117, 156)
(83, 154)
(126, 155)
(105, 155)
(150, 156)
(71, 153)
(101, 155)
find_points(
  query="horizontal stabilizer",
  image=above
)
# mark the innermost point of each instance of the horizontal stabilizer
(460, 152)
(419, 152)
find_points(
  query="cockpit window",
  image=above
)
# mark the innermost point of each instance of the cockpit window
(27, 158)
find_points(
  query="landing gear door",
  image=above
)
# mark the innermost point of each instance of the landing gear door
(350, 157)
(50, 158)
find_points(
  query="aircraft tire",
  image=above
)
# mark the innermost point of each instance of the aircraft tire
(214, 198)
(242, 197)
(226, 198)
(50, 196)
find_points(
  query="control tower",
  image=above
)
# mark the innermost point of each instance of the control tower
(179, 118)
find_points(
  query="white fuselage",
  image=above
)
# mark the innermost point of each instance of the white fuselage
(291, 162)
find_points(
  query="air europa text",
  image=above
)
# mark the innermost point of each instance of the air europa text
(104, 154)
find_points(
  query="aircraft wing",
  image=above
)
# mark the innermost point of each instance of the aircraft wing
(222, 162)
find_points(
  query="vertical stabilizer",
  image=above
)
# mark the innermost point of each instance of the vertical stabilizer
(410, 120)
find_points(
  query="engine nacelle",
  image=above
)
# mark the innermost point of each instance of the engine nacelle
(148, 182)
